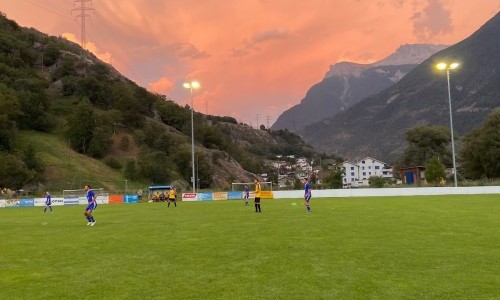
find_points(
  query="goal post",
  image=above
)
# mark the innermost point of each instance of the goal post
(240, 186)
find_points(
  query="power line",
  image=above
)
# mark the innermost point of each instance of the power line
(49, 6)
(49, 9)
(83, 17)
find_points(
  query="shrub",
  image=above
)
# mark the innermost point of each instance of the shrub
(113, 162)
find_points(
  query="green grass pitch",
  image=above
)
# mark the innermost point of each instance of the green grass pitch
(443, 247)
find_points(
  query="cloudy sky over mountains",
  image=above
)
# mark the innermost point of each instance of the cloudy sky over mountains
(252, 57)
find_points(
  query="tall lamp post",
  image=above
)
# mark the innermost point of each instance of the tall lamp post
(192, 85)
(448, 67)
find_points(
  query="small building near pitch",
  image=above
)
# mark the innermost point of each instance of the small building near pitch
(413, 175)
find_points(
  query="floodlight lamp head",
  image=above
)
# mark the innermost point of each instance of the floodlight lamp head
(195, 84)
(441, 66)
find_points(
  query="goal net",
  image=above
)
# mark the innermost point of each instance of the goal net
(240, 186)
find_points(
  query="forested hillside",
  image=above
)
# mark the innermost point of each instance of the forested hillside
(102, 123)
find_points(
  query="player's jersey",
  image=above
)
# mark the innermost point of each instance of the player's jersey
(171, 194)
(307, 191)
(247, 192)
(48, 200)
(90, 196)
(257, 190)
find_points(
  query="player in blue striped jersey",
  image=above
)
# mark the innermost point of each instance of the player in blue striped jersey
(48, 203)
(307, 194)
(246, 195)
(92, 205)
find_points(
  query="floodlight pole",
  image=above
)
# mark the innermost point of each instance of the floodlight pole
(192, 85)
(192, 140)
(451, 128)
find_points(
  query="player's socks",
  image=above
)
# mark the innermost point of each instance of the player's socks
(175, 204)
(92, 219)
(168, 204)
(88, 218)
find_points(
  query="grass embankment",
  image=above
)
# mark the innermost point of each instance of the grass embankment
(67, 169)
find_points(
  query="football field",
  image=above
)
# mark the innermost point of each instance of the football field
(429, 247)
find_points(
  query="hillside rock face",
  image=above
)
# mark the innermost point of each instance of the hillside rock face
(376, 126)
(346, 83)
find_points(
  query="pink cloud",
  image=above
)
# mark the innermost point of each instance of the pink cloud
(161, 86)
(90, 46)
(249, 55)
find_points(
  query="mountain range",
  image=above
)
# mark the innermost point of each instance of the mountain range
(346, 83)
(376, 125)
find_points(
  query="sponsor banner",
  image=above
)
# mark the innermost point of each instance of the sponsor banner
(251, 194)
(115, 199)
(57, 201)
(205, 196)
(219, 195)
(12, 203)
(235, 195)
(266, 194)
(131, 199)
(103, 199)
(82, 200)
(2, 203)
(188, 196)
(40, 201)
(71, 201)
(27, 202)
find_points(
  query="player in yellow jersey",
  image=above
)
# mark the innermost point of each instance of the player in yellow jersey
(172, 193)
(257, 195)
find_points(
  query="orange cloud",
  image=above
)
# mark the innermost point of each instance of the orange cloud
(161, 86)
(104, 56)
(249, 55)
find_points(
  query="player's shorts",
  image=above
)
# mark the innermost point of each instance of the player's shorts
(306, 199)
(171, 199)
(92, 206)
(48, 203)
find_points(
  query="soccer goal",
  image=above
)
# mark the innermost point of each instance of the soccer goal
(240, 186)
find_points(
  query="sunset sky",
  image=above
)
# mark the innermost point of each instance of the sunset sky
(252, 57)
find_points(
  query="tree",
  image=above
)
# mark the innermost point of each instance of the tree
(334, 179)
(481, 149)
(13, 173)
(81, 127)
(154, 166)
(100, 142)
(203, 170)
(434, 171)
(31, 160)
(50, 54)
(425, 142)
(377, 182)
(7, 133)
(130, 171)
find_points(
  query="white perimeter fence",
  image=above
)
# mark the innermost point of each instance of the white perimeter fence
(421, 191)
